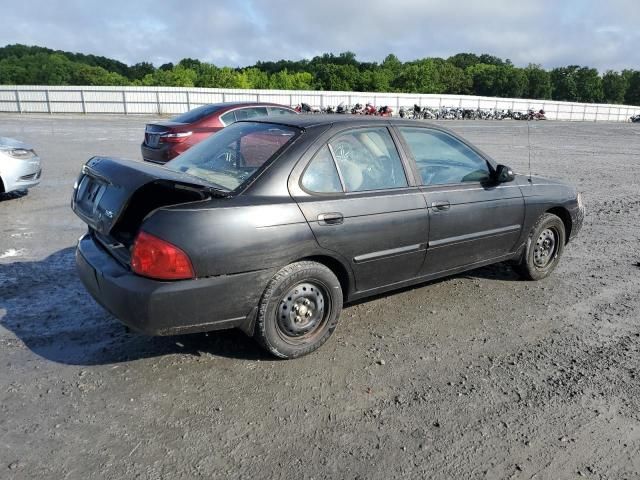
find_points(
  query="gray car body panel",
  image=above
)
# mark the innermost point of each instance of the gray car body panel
(387, 239)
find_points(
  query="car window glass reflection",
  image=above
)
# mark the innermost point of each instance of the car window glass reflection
(441, 159)
(321, 175)
(368, 160)
(231, 156)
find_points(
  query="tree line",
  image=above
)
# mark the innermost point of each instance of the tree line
(463, 73)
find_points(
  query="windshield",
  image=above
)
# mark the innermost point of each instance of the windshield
(229, 157)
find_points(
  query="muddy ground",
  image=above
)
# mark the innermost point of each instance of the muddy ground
(476, 376)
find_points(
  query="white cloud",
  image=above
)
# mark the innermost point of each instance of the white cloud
(241, 32)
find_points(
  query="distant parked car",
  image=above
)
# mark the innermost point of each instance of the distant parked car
(19, 165)
(165, 140)
(269, 225)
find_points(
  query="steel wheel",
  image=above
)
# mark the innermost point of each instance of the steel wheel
(546, 248)
(302, 312)
(299, 310)
(543, 249)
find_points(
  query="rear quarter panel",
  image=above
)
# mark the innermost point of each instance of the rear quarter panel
(232, 236)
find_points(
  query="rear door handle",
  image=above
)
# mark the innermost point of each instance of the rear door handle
(440, 205)
(333, 218)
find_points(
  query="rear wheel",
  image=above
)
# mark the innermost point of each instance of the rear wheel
(544, 248)
(299, 310)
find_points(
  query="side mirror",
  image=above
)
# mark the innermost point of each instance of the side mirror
(503, 174)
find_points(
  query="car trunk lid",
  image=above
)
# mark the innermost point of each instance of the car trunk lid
(113, 196)
(153, 131)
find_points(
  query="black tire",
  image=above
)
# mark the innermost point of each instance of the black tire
(544, 248)
(290, 325)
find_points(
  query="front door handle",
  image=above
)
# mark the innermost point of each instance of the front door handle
(441, 205)
(333, 218)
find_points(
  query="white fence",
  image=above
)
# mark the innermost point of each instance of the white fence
(172, 100)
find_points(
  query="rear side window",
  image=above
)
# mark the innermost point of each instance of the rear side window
(367, 159)
(253, 112)
(279, 111)
(443, 159)
(321, 175)
(228, 118)
(196, 114)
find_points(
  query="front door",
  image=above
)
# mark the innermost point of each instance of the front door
(360, 205)
(472, 218)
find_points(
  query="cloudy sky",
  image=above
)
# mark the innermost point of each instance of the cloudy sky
(600, 33)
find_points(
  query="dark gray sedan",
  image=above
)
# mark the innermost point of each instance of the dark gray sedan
(271, 225)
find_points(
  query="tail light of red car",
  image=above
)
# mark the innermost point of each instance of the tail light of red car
(155, 258)
(177, 137)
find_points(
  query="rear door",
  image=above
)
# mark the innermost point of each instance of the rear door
(472, 218)
(357, 198)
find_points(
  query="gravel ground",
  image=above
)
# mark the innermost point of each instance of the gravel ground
(476, 376)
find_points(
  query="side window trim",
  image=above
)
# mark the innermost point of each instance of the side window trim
(333, 158)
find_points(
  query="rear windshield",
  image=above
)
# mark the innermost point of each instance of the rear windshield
(230, 157)
(196, 114)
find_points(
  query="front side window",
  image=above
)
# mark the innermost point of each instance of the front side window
(230, 157)
(442, 159)
(368, 160)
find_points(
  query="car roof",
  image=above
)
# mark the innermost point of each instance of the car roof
(227, 105)
(307, 121)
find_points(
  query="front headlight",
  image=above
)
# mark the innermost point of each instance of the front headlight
(20, 153)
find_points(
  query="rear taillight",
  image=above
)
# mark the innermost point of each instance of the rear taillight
(175, 137)
(154, 258)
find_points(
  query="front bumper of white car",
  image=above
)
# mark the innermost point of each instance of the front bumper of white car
(19, 173)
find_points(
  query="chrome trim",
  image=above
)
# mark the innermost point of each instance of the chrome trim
(473, 236)
(392, 252)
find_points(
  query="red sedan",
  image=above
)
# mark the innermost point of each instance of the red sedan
(165, 140)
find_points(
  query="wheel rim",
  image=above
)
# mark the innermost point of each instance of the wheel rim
(302, 312)
(546, 248)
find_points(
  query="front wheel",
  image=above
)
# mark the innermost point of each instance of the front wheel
(299, 310)
(544, 248)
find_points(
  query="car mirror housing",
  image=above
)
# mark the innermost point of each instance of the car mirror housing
(503, 174)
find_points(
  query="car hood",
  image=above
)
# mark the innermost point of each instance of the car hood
(13, 143)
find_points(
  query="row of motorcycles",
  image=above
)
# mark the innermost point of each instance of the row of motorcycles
(357, 109)
(429, 113)
(458, 113)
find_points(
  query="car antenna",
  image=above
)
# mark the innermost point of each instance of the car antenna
(529, 148)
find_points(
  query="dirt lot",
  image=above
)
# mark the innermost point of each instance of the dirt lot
(476, 376)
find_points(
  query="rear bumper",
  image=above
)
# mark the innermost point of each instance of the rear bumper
(166, 308)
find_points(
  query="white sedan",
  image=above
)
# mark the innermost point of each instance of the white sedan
(20, 167)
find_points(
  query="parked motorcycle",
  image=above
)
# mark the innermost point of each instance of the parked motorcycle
(385, 111)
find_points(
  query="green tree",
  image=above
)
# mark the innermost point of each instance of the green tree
(614, 87)
(563, 83)
(632, 95)
(483, 78)
(588, 85)
(538, 82)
